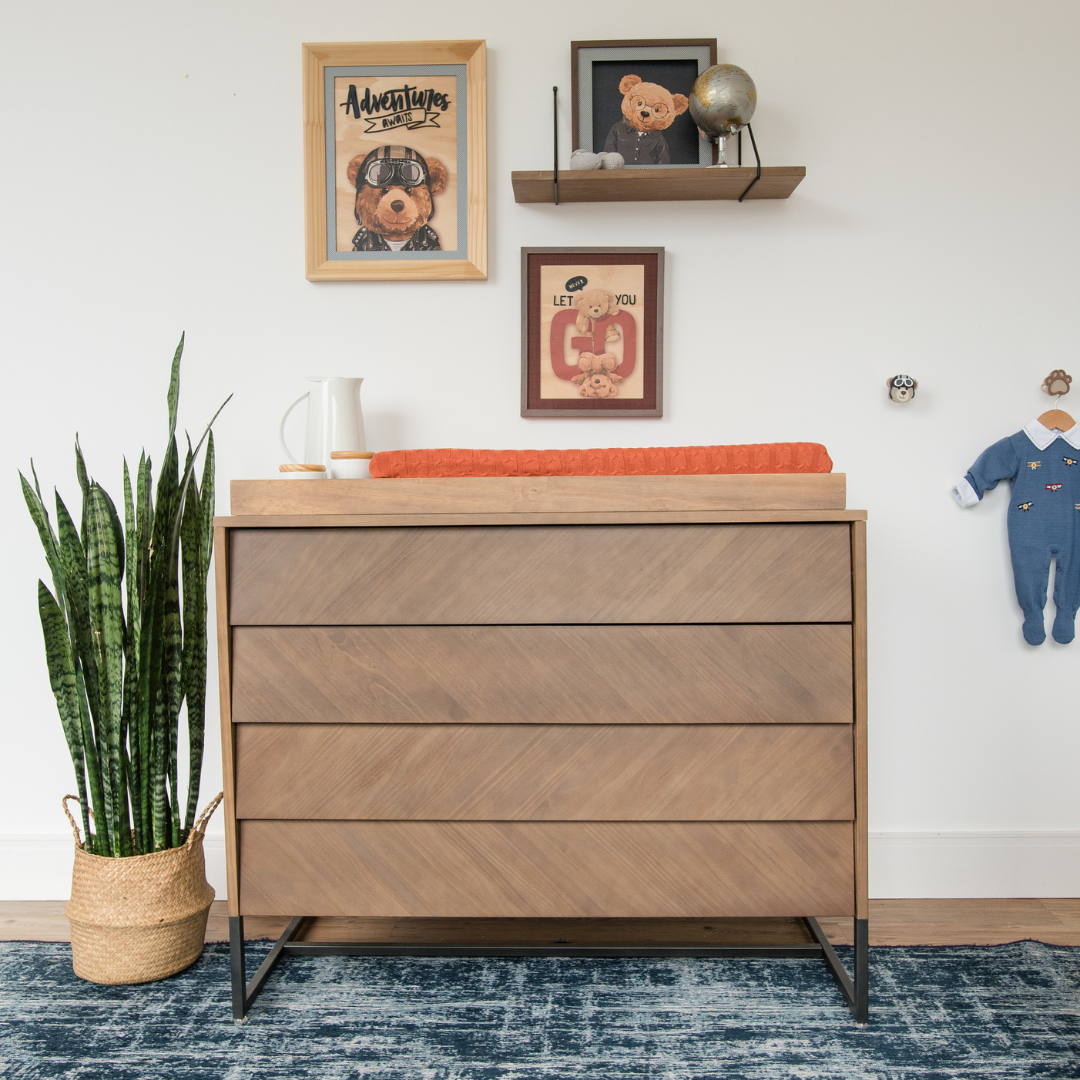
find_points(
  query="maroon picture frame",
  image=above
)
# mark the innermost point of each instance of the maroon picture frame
(652, 259)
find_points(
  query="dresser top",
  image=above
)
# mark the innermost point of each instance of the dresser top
(539, 500)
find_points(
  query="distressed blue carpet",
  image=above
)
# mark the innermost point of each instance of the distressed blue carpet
(1008, 1011)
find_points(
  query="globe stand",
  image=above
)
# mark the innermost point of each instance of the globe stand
(720, 140)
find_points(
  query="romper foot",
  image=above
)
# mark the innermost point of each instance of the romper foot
(1035, 630)
(1064, 627)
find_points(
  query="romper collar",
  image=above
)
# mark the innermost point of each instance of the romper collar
(1042, 436)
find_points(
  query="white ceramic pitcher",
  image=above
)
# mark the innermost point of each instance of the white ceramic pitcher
(334, 420)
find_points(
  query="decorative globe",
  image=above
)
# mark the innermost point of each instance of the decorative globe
(722, 100)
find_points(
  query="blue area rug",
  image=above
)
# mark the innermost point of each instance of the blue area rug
(1009, 1011)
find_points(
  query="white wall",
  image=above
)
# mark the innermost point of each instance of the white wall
(153, 183)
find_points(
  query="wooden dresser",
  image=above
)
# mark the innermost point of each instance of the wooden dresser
(545, 698)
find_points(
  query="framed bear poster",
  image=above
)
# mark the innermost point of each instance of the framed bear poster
(631, 97)
(592, 324)
(395, 160)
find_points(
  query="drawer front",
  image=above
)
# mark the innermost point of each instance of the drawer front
(546, 869)
(697, 674)
(515, 772)
(541, 574)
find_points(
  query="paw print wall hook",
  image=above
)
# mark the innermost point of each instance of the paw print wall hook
(901, 388)
(1057, 383)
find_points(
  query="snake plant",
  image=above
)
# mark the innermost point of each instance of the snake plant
(125, 640)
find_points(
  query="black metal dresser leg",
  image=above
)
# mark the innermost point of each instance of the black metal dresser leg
(861, 1005)
(236, 960)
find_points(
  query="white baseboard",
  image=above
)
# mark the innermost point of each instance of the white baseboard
(974, 864)
(909, 864)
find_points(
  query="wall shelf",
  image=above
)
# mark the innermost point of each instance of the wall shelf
(656, 185)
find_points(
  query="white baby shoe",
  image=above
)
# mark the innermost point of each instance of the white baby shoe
(582, 159)
(611, 161)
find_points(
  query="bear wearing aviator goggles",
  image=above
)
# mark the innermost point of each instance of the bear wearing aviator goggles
(394, 189)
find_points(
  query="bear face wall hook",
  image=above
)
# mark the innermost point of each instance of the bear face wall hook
(901, 388)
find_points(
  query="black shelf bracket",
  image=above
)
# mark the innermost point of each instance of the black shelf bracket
(757, 158)
(555, 111)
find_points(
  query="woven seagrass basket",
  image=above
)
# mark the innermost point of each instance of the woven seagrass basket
(142, 917)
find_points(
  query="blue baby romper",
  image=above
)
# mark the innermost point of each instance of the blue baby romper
(1044, 519)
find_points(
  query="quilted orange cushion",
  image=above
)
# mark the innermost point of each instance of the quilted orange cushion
(617, 461)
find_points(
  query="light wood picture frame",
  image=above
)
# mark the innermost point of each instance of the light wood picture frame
(592, 332)
(395, 136)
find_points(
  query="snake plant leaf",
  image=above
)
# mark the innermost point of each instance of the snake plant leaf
(76, 606)
(40, 516)
(73, 559)
(174, 386)
(84, 481)
(207, 434)
(132, 759)
(172, 644)
(104, 587)
(142, 710)
(117, 528)
(194, 643)
(165, 684)
(118, 758)
(144, 519)
(61, 667)
(153, 759)
(206, 499)
(174, 693)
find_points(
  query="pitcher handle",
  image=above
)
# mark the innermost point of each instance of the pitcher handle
(281, 430)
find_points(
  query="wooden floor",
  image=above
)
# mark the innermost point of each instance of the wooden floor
(892, 922)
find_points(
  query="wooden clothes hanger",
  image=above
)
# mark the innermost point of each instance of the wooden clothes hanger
(1057, 418)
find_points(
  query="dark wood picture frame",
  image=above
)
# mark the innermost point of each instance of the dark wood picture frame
(652, 332)
(576, 96)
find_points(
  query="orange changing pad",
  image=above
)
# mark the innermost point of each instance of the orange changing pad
(798, 457)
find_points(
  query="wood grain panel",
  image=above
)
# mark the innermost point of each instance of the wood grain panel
(657, 185)
(644, 933)
(701, 674)
(541, 574)
(599, 517)
(858, 629)
(542, 494)
(516, 772)
(228, 772)
(546, 869)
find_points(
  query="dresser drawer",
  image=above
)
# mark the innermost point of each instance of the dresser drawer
(546, 869)
(697, 674)
(515, 772)
(447, 575)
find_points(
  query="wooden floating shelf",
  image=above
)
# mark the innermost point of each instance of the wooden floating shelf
(656, 185)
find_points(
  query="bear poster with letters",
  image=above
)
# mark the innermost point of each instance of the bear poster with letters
(395, 160)
(592, 323)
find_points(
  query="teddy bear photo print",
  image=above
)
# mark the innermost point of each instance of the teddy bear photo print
(395, 160)
(631, 98)
(592, 331)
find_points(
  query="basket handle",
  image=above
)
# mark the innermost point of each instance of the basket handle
(74, 826)
(199, 828)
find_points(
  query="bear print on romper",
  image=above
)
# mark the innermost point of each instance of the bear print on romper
(1044, 519)
(648, 109)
